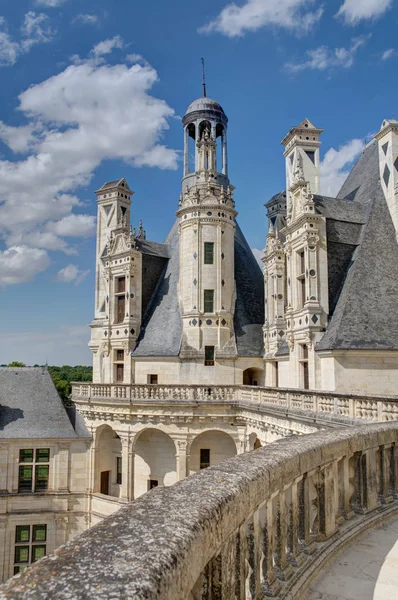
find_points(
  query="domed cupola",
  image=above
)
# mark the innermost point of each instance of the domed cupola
(205, 119)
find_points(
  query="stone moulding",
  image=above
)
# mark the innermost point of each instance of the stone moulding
(254, 526)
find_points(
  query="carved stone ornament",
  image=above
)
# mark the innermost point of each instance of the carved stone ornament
(290, 341)
(105, 348)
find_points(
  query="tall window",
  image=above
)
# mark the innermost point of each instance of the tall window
(209, 253)
(120, 299)
(204, 458)
(119, 470)
(209, 356)
(30, 545)
(305, 379)
(208, 301)
(34, 466)
(119, 366)
(301, 279)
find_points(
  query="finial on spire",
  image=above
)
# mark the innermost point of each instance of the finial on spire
(203, 77)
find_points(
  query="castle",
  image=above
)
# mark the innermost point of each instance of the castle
(187, 347)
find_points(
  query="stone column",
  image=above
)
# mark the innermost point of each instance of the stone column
(91, 463)
(186, 151)
(181, 458)
(127, 486)
(224, 153)
(197, 138)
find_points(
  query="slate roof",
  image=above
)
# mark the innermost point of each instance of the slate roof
(249, 307)
(161, 330)
(364, 317)
(31, 408)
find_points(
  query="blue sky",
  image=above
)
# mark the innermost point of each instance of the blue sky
(94, 90)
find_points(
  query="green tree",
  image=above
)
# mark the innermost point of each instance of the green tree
(15, 363)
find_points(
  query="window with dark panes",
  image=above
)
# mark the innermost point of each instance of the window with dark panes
(119, 470)
(208, 301)
(33, 477)
(204, 458)
(209, 253)
(120, 299)
(209, 356)
(29, 545)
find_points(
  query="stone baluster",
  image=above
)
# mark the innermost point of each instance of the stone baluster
(296, 557)
(327, 500)
(251, 571)
(305, 507)
(269, 585)
(345, 490)
(385, 474)
(281, 516)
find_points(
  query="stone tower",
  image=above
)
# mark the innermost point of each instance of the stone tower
(302, 149)
(118, 286)
(388, 160)
(207, 227)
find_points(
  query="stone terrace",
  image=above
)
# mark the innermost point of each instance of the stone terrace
(259, 525)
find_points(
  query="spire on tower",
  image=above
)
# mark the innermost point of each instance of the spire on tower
(203, 77)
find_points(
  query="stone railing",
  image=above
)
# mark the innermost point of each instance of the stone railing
(352, 406)
(257, 525)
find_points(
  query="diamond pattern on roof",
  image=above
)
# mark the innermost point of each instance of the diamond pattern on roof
(396, 163)
(386, 175)
(314, 319)
(385, 148)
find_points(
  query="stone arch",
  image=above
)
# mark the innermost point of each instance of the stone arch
(154, 462)
(108, 454)
(221, 445)
(253, 376)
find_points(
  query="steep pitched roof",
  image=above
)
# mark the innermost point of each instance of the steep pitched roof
(161, 329)
(249, 307)
(31, 408)
(364, 317)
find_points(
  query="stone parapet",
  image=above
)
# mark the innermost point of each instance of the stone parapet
(348, 407)
(255, 526)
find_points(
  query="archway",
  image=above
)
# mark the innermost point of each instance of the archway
(155, 461)
(253, 376)
(210, 448)
(108, 462)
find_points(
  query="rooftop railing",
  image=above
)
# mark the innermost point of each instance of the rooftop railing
(258, 525)
(352, 406)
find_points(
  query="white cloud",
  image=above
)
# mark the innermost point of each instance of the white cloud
(134, 58)
(86, 114)
(325, 58)
(354, 11)
(35, 30)
(258, 255)
(87, 19)
(71, 273)
(335, 166)
(9, 49)
(19, 264)
(388, 54)
(73, 226)
(236, 20)
(107, 46)
(50, 3)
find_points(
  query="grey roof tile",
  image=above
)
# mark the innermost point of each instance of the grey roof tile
(161, 330)
(31, 408)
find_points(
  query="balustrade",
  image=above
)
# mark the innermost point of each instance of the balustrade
(348, 406)
(251, 527)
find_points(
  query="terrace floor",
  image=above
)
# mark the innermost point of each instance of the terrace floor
(366, 570)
